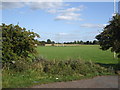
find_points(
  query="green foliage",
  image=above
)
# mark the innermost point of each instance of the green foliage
(43, 71)
(48, 41)
(83, 42)
(71, 67)
(42, 43)
(17, 43)
(110, 37)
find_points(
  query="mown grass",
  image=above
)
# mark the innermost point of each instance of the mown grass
(85, 52)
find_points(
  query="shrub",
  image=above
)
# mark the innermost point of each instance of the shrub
(44, 71)
(17, 43)
(69, 67)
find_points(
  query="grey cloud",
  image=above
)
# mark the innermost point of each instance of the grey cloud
(45, 5)
(11, 5)
(32, 5)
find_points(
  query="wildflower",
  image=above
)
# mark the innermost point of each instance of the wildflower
(56, 78)
(13, 61)
(35, 44)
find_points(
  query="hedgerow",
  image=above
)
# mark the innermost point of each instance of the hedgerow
(17, 44)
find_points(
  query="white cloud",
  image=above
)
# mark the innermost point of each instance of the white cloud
(73, 9)
(50, 7)
(70, 13)
(89, 25)
(105, 25)
(62, 34)
(58, 8)
(68, 16)
(67, 34)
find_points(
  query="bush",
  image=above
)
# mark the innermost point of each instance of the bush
(17, 43)
(42, 71)
(69, 67)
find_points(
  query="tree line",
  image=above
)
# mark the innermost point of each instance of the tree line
(94, 42)
(83, 42)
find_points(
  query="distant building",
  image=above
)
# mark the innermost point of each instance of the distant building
(119, 7)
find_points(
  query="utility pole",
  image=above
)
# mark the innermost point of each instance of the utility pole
(114, 15)
(114, 6)
(119, 7)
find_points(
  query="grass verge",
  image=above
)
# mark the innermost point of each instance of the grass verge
(42, 71)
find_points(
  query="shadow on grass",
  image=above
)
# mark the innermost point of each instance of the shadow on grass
(115, 67)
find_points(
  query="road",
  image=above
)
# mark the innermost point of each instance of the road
(96, 82)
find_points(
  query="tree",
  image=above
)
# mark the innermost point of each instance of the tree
(74, 42)
(42, 43)
(53, 42)
(48, 41)
(95, 42)
(110, 37)
(78, 42)
(18, 43)
(81, 42)
(87, 42)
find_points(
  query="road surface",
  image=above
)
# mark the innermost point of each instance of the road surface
(96, 82)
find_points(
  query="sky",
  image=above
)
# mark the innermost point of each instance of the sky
(59, 21)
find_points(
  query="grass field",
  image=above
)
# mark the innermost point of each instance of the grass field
(85, 52)
(42, 71)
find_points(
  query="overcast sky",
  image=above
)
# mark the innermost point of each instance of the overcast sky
(63, 21)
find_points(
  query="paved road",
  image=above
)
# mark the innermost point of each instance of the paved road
(96, 82)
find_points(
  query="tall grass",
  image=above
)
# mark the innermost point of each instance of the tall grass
(44, 71)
